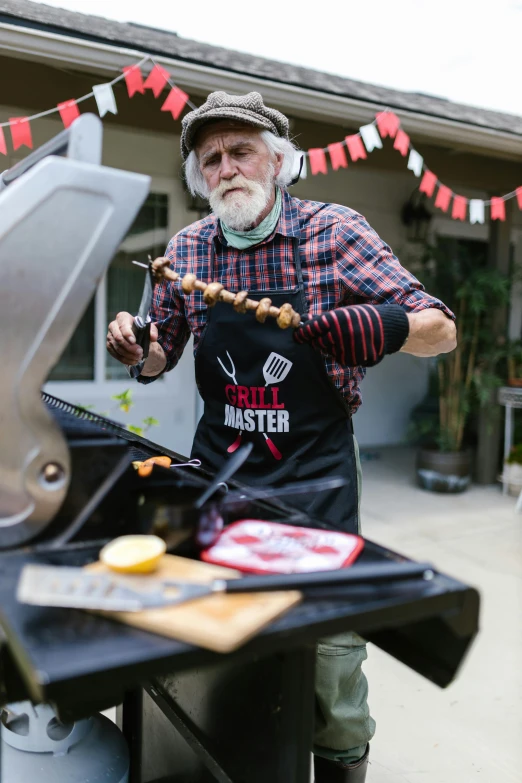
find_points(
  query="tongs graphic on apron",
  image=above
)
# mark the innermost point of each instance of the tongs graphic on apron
(275, 370)
(62, 586)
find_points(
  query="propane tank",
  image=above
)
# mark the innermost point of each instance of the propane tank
(36, 746)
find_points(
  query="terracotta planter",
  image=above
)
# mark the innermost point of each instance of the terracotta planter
(514, 381)
(444, 471)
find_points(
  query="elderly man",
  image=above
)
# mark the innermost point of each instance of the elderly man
(358, 304)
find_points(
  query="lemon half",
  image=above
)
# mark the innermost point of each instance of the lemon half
(133, 554)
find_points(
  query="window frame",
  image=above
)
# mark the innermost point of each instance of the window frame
(164, 186)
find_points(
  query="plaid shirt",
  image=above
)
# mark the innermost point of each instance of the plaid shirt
(344, 262)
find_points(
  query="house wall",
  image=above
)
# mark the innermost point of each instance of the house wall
(143, 139)
(392, 388)
(171, 400)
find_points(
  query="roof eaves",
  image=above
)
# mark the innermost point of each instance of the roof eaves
(322, 96)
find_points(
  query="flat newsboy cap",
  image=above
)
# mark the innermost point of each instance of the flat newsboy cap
(248, 109)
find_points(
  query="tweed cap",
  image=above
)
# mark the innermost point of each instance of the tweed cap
(248, 109)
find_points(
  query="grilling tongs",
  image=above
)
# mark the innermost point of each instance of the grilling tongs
(45, 585)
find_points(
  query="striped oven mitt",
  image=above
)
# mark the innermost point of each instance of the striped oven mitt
(357, 335)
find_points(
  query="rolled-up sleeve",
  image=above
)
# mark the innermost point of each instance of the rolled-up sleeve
(168, 313)
(370, 272)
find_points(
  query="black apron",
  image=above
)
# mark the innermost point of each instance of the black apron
(259, 385)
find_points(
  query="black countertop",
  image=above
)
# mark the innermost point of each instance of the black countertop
(80, 661)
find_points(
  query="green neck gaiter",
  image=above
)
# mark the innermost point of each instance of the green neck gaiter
(244, 239)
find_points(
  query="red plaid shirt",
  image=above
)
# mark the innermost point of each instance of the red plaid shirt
(344, 262)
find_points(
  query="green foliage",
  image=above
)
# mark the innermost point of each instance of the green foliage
(124, 400)
(515, 455)
(513, 354)
(150, 421)
(125, 403)
(456, 273)
(137, 430)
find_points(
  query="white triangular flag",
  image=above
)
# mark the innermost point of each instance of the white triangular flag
(415, 162)
(105, 99)
(370, 136)
(476, 210)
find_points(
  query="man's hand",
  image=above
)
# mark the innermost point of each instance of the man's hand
(431, 333)
(357, 335)
(121, 342)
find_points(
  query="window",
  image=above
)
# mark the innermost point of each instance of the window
(77, 361)
(121, 288)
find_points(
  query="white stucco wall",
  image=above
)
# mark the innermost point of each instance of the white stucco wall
(390, 390)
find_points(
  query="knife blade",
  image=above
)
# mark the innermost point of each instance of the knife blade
(142, 321)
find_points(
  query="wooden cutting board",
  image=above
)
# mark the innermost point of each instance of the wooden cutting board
(218, 622)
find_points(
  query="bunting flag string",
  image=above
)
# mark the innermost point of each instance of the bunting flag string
(69, 111)
(387, 124)
(133, 80)
(157, 79)
(105, 99)
(20, 132)
(338, 154)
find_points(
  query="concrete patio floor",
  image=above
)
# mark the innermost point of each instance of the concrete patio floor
(472, 730)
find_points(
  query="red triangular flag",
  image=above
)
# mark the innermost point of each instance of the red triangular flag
(498, 208)
(156, 80)
(337, 156)
(355, 147)
(3, 148)
(388, 124)
(518, 191)
(175, 103)
(317, 159)
(68, 112)
(428, 183)
(460, 205)
(443, 198)
(402, 142)
(20, 132)
(133, 79)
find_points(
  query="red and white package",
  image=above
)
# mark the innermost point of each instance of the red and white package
(260, 547)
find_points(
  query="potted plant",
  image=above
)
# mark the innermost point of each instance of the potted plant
(514, 362)
(512, 475)
(464, 378)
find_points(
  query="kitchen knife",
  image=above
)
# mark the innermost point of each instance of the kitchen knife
(142, 322)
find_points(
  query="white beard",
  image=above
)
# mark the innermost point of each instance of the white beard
(239, 211)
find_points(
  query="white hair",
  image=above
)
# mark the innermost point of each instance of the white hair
(275, 144)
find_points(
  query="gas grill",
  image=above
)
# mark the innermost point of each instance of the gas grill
(67, 486)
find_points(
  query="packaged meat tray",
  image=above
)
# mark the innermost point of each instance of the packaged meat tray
(261, 547)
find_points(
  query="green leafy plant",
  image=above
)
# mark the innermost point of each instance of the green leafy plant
(125, 402)
(515, 455)
(513, 352)
(457, 274)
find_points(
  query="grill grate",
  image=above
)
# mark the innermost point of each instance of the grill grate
(79, 422)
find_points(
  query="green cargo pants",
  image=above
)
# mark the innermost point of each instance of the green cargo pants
(343, 725)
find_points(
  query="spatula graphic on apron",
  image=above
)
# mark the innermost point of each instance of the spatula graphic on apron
(275, 370)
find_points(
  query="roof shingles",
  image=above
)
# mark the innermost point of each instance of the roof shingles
(171, 45)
